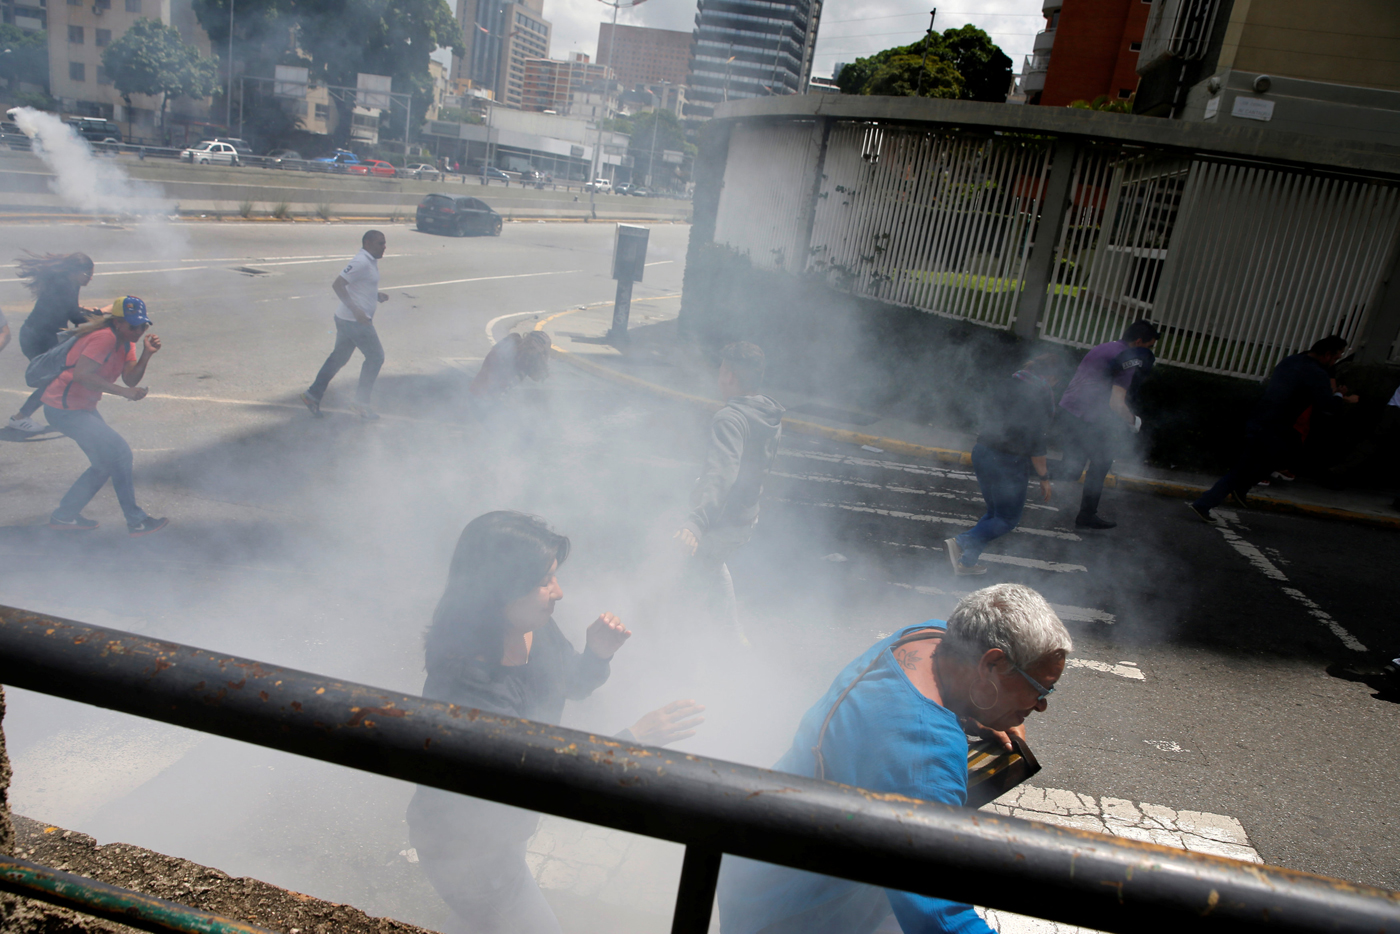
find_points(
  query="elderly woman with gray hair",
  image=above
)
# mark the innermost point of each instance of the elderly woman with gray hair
(895, 720)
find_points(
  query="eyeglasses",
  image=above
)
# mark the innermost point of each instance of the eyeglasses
(1041, 690)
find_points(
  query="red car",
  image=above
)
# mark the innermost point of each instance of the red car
(373, 167)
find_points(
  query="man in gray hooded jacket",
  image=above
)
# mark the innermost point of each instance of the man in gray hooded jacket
(744, 437)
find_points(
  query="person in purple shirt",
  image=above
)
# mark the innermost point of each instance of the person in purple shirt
(1094, 412)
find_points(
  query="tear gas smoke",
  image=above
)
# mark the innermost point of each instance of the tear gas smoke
(95, 185)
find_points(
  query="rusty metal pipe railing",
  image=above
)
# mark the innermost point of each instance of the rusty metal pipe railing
(1061, 874)
(101, 900)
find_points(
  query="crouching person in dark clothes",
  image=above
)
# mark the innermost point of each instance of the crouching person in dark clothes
(894, 721)
(493, 645)
(1301, 381)
(744, 438)
(1009, 448)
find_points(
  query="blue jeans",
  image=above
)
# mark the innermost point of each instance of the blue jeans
(110, 456)
(350, 335)
(1002, 478)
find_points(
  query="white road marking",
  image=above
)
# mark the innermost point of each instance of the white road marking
(1055, 566)
(1195, 831)
(1122, 670)
(1082, 614)
(661, 262)
(932, 517)
(887, 465)
(519, 275)
(867, 485)
(1270, 570)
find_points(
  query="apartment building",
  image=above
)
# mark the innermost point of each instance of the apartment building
(641, 55)
(1330, 70)
(1088, 49)
(550, 83)
(79, 31)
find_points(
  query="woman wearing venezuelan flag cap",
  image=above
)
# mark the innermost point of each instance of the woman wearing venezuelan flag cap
(104, 350)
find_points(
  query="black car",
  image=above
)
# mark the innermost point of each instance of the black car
(458, 216)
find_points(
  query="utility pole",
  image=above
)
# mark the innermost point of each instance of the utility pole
(228, 94)
(924, 63)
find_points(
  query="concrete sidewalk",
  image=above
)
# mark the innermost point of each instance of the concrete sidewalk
(656, 362)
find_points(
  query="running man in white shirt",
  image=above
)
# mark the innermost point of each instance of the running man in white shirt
(357, 286)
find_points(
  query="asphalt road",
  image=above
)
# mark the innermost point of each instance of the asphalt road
(1200, 683)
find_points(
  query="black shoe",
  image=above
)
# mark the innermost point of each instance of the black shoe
(1239, 499)
(73, 525)
(1204, 514)
(312, 403)
(1093, 522)
(146, 526)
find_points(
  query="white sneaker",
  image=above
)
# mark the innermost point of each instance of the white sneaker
(25, 424)
(955, 556)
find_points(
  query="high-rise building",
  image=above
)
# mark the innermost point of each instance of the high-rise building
(641, 55)
(1088, 49)
(1329, 70)
(750, 48)
(500, 35)
(550, 83)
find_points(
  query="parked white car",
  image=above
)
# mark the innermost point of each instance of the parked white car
(422, 170)
(211, 152)
(603, 185)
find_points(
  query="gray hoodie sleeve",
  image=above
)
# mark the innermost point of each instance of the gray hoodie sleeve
(728, 432)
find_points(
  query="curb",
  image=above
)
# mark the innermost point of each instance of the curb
(964, 458)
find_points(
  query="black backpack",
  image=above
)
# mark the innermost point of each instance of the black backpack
(44, 369)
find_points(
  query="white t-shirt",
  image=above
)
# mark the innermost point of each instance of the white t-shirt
(362, 283)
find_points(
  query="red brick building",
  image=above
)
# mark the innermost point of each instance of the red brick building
(1093, 49)
(642, 55)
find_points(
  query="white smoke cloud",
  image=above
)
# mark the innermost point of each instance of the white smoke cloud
(81, 179)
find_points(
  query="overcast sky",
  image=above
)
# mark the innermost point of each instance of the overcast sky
(849, 28)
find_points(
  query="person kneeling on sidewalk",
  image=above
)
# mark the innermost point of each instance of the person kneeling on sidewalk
(103, 351)
(1010, 446)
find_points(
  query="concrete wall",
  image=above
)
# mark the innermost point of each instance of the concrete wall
(1345, 42)
(25, 188)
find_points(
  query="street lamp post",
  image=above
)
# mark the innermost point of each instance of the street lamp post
(598, 150)
(919, 92)
(228, 94)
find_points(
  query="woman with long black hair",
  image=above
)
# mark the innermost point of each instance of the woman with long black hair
(55, 280)
(493, 645)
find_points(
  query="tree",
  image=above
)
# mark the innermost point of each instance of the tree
(653, 132)
(338, 39)
(25, 56)
(962, 63)
(151, 58)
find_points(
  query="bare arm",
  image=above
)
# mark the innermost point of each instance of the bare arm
(1118, 403)
(339, 287)
(133, 372)
(86, 374)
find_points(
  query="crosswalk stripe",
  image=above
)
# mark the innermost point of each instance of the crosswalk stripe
(928, 517)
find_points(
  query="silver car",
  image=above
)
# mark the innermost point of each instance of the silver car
(422, 170)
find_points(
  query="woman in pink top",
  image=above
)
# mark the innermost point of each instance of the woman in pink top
(104, 350)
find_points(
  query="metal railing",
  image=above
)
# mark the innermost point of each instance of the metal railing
(711, 806)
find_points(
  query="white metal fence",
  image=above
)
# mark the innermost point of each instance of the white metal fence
(1240, 264)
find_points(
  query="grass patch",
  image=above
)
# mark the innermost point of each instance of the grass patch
(323, 210)
(245, 209)
(282, 210)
